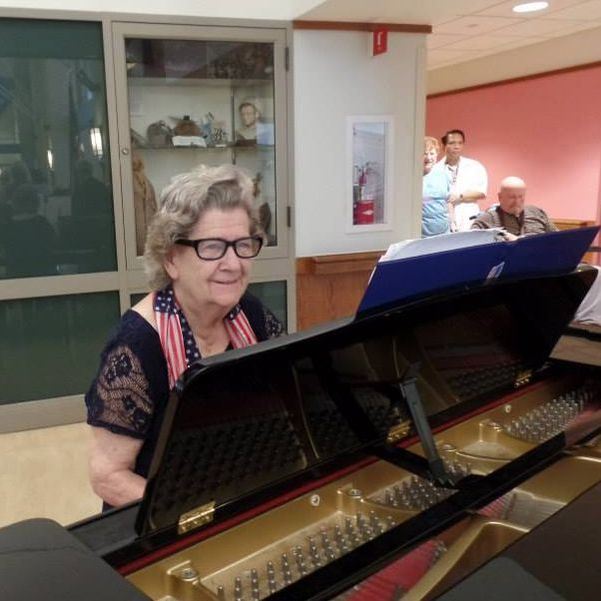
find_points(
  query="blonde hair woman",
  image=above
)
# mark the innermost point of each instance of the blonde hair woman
(435, 192)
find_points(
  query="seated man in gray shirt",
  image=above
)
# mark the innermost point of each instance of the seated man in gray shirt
(520, 220)
(512, 214)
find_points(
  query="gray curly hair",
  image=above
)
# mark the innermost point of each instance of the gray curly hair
(183, 202)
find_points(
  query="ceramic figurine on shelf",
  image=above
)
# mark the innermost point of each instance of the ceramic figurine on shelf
(218, 135)
(206, 126)
(159, 135)
(185, 126)
(187, 133)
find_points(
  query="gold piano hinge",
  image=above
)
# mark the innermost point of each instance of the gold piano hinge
(196, 517)
(522, 377)
(398, 432)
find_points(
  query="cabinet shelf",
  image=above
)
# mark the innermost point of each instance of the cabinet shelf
(197, 81)
(205, 148)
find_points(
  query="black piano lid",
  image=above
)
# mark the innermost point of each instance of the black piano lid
(250, 424)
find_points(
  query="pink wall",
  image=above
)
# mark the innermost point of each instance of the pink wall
(546, 130)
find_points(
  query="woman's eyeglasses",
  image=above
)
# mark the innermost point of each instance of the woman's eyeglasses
(212, 249)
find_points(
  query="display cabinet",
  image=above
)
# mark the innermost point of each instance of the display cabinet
(98, 115)
(190, 95)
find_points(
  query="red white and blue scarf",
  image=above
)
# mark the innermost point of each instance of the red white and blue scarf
(177, 338)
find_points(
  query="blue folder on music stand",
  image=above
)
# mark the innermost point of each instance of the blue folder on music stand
(538, 255)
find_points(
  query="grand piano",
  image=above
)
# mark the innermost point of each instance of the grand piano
(389, 456)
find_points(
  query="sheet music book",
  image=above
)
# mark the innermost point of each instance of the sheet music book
(424, 246)
(417, 268)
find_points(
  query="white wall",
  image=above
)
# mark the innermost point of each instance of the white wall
(235, 9)
(334, 77)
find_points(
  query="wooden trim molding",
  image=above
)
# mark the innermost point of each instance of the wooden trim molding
(502, 82)
(570, 224)
(354, 26)
(328, 264)
(329, 287)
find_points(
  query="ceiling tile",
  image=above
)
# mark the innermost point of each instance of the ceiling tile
(581, 12)
(394, 11)
(537, 27)
(518, 43)
(436, 40)
(437, 20)
(505, 9)
(444, 55)
(410, 10)
(474, 25)
(481, 42)
(582, 26)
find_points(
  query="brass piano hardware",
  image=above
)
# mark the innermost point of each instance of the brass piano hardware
(507, 408)
(184, 571)
(489, 430)
(183, 582)
(522, 378)
(315, 500)
(398, 432)
(196, 517)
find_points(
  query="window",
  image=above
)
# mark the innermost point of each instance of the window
(56, 205)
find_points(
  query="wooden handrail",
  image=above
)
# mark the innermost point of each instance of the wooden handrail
(343, 263)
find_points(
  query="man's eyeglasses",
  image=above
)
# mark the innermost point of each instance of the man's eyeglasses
(212, 249)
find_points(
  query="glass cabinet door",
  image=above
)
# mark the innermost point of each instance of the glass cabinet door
(200, 95)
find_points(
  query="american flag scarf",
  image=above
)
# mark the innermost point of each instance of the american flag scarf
(177, 339)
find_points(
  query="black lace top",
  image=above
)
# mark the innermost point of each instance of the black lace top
(130, 391)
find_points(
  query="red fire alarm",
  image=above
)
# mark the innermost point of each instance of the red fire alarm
(380, 41)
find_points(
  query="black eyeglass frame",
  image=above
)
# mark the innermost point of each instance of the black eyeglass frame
(226, 244)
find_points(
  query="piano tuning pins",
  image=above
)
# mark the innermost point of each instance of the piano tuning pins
(286, 572)
(270, 570)
(549, 419)
(238, 589)
(416, 493)
(324, 545)
(271, 581)
(220, 593)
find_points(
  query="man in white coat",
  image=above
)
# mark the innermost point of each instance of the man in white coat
(468, 181)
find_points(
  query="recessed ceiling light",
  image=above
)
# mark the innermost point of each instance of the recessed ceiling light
(530, 7)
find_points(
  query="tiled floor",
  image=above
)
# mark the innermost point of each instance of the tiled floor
(44, 473)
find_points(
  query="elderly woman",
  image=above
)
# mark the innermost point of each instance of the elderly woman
(199, 252)
(435, 210)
